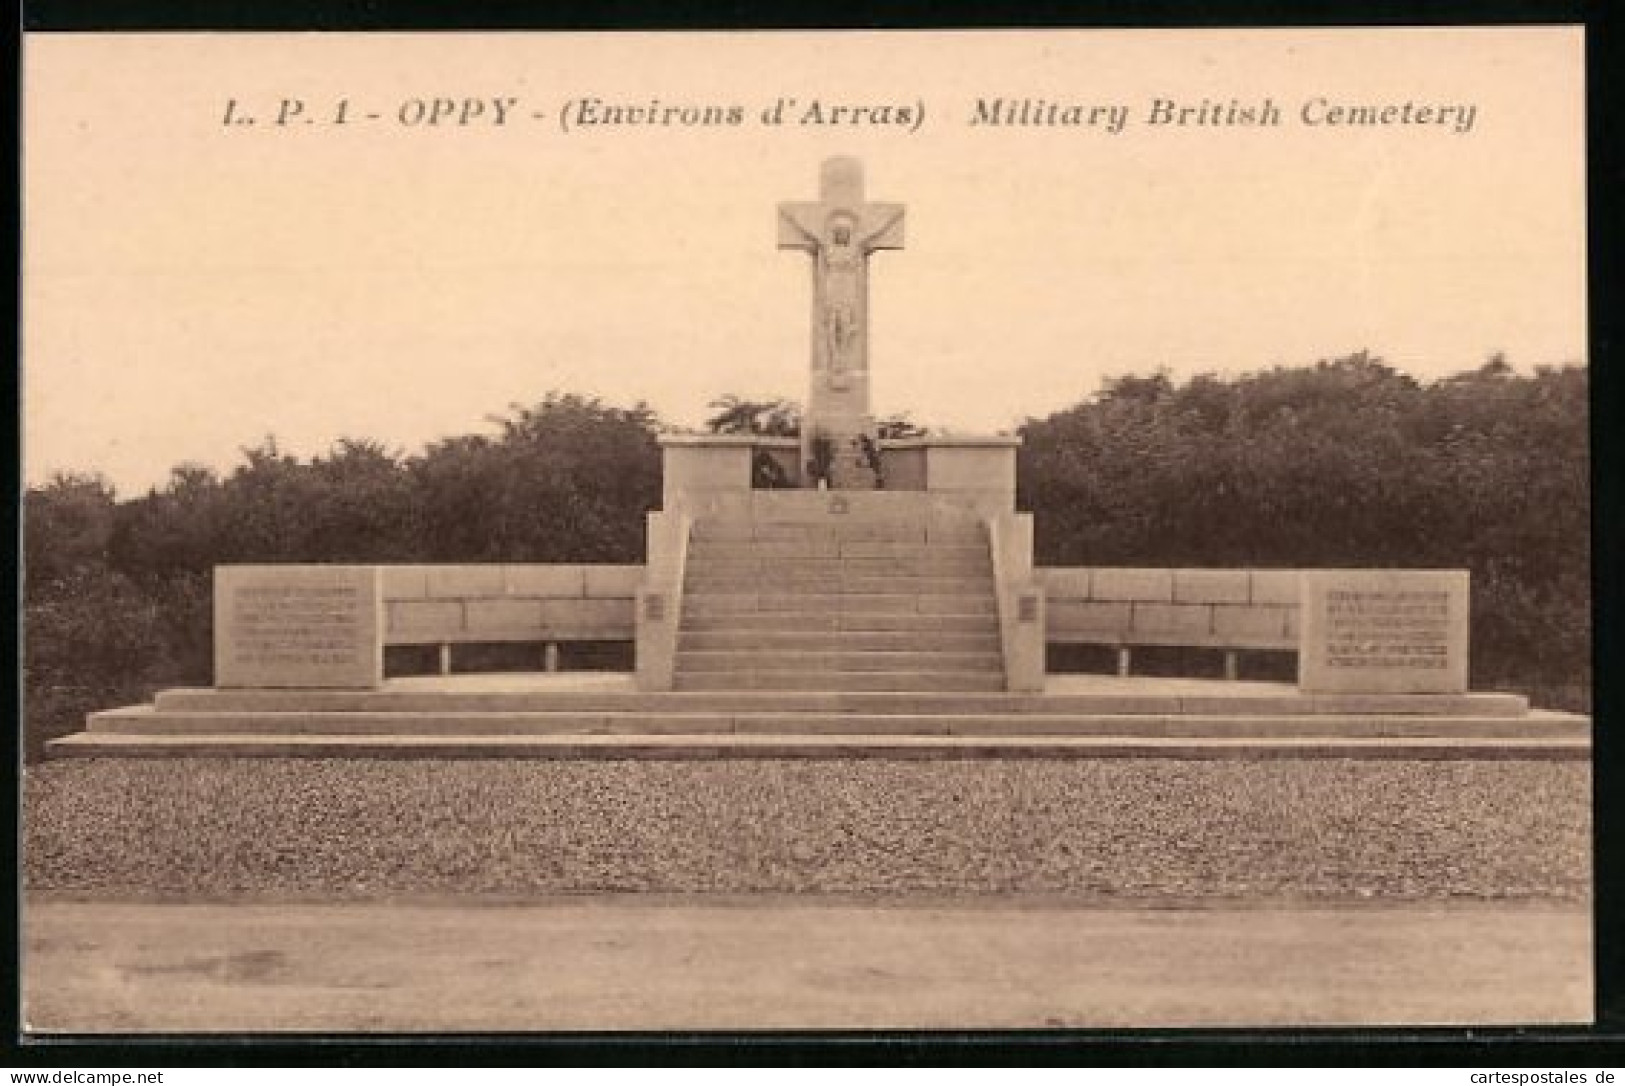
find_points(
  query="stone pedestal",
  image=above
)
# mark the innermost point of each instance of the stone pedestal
(1383, 632)
(298, 627)
(716, 471)
(696, 467)
(844, 430)
(978, 472)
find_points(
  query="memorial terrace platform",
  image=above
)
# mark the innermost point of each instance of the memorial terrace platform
(837, 594)
(598, 715)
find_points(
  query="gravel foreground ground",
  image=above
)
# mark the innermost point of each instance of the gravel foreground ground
(357, 830)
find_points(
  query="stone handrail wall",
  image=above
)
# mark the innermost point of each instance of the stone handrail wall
(658, 606)
(1219, 608)
(444, 604)
(1020, 600)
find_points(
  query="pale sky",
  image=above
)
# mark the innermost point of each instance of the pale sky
(190, 287)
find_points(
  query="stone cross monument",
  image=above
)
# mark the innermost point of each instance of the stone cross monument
(840, 230)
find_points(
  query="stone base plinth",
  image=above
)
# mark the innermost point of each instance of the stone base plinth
(975, 472)
(606, 716)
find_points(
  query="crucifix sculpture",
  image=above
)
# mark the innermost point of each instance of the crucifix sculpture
(840, 230)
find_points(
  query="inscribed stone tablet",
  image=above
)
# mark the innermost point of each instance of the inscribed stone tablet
(298, 626)
(1383, 632)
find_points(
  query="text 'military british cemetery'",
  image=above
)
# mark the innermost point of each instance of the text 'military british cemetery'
(850, 588)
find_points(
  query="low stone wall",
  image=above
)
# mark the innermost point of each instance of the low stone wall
(445, 604)
(1228, 608)
(712, 473)
(1385, 631)
(1218, 608)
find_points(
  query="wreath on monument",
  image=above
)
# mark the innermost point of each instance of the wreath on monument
(869, 457)
(766, 473)
(821, 460)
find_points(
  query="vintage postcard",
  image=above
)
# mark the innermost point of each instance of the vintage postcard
(1062, 529)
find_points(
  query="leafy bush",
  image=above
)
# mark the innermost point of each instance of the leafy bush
(91, 639)
(1346, 463)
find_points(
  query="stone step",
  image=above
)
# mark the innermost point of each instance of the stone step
(617, 694)
(796, 680)
(146, 721)
(910, 530)
(828, 621)
(842, 584)
(929, 640)
(782, 550)
(816, 747)
(708, 604)
(697, 661)
(747, 568)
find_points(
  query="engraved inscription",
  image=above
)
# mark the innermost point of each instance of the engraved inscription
(1389, 631)
(316, 625)
(297, 626)
(1407, 628)
(1027, 609)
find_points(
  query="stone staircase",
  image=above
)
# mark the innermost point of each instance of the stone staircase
(839, 604)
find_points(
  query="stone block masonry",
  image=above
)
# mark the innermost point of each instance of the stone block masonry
(1384, 632)
(298, 626)
(1200, 608)
(450, 604)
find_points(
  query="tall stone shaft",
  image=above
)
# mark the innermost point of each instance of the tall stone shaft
(839, 231)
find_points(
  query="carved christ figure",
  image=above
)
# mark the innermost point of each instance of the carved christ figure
(840, 231)
(840, 277)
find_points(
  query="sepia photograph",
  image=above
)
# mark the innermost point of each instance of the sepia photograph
(1068, 530)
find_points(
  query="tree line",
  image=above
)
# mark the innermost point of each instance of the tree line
(1347, 462)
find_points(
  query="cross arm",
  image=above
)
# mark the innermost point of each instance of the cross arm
(798, 225)
(883, 226)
